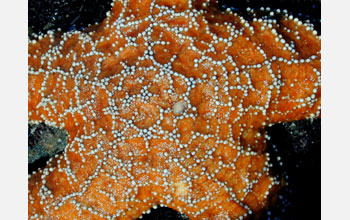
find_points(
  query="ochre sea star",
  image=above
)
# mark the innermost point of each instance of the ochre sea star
(165, 103)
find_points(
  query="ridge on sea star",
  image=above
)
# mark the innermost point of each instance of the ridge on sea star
(165, 103)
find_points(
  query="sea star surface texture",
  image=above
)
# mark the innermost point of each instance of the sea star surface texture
(165, 103)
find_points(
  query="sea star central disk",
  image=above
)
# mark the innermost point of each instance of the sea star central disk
(165, 104)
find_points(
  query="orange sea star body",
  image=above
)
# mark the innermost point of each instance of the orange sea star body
(165, 104)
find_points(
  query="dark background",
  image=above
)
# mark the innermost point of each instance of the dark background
(297, 144)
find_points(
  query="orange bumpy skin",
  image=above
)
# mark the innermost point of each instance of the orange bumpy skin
(166, 104)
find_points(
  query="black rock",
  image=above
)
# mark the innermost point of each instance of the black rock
(163, 213)
(44, 142)
(295, 152)
(44, 15)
